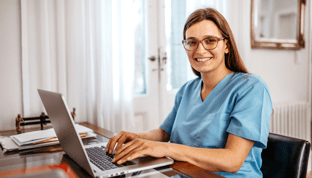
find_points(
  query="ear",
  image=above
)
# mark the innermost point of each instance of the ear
(227, 47)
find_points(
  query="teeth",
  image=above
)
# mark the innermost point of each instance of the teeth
(201, 60)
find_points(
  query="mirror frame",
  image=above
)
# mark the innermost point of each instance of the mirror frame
(278, 43)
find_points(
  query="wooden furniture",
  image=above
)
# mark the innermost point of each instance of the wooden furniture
(53, 159)
(42, 120)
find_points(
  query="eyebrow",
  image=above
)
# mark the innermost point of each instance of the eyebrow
(206, 36)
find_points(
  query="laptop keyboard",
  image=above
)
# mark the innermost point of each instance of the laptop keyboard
(103, 160)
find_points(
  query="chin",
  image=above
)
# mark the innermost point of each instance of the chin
(203, 70)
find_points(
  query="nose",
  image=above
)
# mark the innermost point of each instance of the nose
(200, 49)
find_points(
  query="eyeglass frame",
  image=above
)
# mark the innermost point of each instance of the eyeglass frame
(200, 41)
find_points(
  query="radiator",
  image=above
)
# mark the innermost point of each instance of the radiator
(291, 119)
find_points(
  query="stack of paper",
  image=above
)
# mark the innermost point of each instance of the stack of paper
(37, 136)
(30, 139)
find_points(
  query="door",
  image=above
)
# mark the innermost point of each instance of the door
(146, 84)
(161, 62)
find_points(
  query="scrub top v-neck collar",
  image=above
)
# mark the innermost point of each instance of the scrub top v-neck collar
(215, 90)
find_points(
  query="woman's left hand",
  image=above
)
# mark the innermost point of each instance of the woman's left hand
(138, 147)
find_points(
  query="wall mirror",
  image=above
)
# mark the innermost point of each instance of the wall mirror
(277, 24)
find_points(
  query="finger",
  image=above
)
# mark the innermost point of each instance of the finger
(122, 147)
(121, 141)
(124, 150)
(125, 146)
(130, 147)
(109, 143)
(132, 155)
(113, 142)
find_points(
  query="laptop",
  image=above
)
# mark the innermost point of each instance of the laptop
(92, 158)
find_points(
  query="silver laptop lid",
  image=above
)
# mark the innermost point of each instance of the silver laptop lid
(63, 125)
(71, 143)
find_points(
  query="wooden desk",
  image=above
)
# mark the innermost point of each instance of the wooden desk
(52, 159)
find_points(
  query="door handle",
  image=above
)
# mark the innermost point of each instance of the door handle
(152, 58)
(165, 58)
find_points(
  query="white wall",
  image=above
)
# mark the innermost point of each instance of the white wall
(10, 63)
(285, 71)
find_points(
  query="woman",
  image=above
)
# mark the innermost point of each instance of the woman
(220, 120)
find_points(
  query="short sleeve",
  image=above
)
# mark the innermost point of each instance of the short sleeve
(250, 118)
(169, 121)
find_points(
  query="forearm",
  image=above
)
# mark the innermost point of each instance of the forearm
(155, 135)
(217, 160)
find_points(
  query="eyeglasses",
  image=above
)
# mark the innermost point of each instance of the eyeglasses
(208, 43)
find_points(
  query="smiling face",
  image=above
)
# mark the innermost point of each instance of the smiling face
(202, 60)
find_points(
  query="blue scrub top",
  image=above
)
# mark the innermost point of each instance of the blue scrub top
(239, 104)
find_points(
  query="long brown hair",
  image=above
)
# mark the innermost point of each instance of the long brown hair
(233, 60)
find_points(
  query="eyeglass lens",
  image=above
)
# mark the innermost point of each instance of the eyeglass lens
(208, 43)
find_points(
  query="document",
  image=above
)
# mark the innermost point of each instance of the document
(36, 136)
(28, 140)
(9, 145)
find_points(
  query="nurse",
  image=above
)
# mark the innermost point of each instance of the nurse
(220, 120)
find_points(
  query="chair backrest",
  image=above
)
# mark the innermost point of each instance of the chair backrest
(285, 157)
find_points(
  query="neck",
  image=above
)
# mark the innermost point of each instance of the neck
(211, 79)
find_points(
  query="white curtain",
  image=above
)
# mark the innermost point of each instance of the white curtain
(219, 5)
(83, 49)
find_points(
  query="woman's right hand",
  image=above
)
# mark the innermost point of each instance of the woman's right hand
(120, 139)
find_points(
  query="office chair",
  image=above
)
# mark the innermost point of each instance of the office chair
(285, 157)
